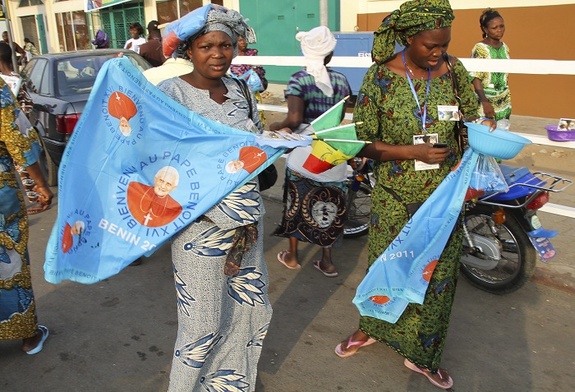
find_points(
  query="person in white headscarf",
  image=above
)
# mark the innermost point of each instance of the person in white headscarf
(316, 45)
(314, 203)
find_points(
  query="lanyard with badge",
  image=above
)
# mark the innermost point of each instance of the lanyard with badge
(425, 137)
(424, 111)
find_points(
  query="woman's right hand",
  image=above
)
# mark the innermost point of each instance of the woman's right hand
(427, 153)
(45, 195)
(44, 192)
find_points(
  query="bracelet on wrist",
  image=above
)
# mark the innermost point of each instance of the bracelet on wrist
(481, 119)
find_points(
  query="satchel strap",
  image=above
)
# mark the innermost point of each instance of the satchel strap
(454, 83)
(459, 128)
(246, 92)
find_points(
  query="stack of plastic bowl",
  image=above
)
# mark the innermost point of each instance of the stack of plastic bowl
(499, 143)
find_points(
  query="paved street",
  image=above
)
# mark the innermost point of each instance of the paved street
(118, 335)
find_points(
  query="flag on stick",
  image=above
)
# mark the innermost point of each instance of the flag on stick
(341, 145)
(331, 118)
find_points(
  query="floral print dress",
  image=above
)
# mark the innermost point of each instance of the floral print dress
(495, 84)
(389, 113)
(17, 304)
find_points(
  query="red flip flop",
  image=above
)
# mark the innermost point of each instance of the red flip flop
(351, 343)
(447, 382)
(37, 208)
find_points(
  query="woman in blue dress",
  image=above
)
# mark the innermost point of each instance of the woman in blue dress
(17, 304)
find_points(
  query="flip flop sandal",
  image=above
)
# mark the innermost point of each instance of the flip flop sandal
(281, 259)
(37, 208)
(45, 332)
(441, 372)
(351, 343)
(332, 274)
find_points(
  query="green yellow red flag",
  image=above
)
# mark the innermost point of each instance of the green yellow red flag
(331, 147)
(331, 118)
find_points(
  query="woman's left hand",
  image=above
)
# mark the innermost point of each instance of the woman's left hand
(427, 153)
(491, 123)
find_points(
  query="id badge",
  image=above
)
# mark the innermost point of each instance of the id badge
(448, 113)
(426, 138)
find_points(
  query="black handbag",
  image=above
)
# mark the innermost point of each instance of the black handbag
(268, 177)
(459, 128)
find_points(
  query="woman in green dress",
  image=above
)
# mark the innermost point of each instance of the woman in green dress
(397, 110)
(492, 88)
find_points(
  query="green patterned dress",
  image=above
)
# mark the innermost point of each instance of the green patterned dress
(495, 84)
(389, 113)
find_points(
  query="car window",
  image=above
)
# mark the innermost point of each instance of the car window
(33, 74)
(139, 62)
(76, 75)
(45, 85)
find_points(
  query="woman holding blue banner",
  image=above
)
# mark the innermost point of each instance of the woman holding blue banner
(219, 267)
(400, 105)
(17, 303)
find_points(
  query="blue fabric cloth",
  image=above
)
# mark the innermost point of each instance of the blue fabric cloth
(401, 274)
(110, 207)
(189, 24)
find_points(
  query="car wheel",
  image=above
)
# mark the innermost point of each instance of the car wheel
(48, 167)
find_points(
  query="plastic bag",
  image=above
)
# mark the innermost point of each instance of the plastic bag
(253, 80)
(487, 176)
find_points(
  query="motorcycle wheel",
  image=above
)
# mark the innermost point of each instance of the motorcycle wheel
(518, 257)
(358, 212)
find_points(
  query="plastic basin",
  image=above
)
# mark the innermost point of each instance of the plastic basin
(559, 136)
(499, 143)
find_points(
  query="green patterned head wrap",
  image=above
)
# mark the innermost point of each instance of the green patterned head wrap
(411, 18)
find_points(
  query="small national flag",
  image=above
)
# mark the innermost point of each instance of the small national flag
(323, 157)
(331, 118)
(333, 146)
(343, 138)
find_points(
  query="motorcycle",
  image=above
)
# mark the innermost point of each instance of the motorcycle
(503, 235)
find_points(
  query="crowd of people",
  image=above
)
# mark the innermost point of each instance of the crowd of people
(397, 102)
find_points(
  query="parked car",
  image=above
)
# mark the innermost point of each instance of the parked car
(60, 84)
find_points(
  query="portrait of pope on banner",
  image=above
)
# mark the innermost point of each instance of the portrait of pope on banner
(152, 206)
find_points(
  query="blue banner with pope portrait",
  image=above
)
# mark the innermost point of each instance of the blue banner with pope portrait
(138, 168)
(401, 274)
